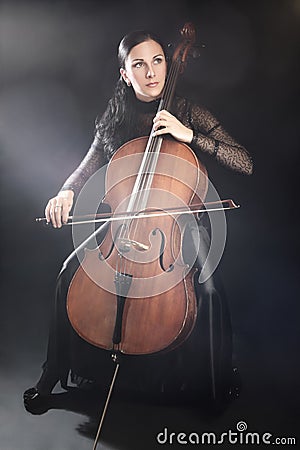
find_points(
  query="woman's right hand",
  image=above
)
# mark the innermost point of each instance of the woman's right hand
(58, 208)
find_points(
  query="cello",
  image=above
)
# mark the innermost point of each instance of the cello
(137, 278)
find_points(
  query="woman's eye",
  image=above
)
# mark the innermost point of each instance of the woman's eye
(138, 65)
(158, 60)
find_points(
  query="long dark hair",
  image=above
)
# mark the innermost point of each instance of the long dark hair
(115, 126)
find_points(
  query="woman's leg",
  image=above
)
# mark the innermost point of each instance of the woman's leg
(55, 367)
(61, 334)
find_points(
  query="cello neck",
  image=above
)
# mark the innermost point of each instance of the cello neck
(140, 193)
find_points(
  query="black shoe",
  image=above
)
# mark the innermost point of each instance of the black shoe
(35, 402)
(36, 399)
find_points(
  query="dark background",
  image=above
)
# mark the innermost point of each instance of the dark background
(58, 69)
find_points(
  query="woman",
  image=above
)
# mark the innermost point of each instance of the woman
(130, 113)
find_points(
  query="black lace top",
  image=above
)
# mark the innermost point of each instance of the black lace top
(209, 137)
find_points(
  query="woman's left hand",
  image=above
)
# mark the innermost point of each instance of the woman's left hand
(172, 126)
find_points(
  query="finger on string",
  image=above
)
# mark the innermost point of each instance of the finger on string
(161, 131)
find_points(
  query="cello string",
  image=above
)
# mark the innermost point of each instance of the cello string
(155, 143)
(152, 154)
(153, 149)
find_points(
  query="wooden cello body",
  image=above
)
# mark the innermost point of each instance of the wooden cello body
(159, 302)
(134, 294)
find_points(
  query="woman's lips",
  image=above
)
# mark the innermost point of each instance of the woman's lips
(154, 84)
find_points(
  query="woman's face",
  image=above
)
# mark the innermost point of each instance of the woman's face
(146, 69)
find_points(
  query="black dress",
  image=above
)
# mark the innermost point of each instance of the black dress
(202, 365)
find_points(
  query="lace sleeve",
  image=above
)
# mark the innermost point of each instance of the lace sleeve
(93, 160)
(210, 137)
